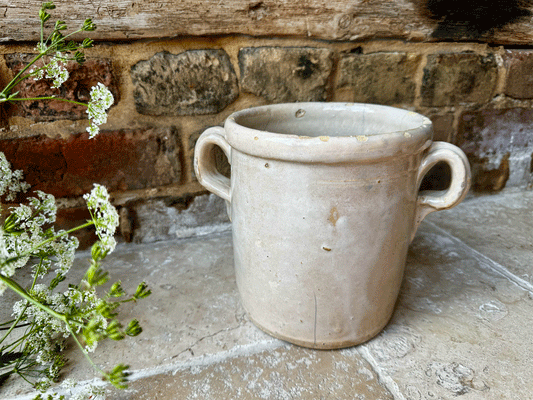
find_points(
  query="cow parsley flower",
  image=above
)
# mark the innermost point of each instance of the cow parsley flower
(104, 215)
(101, 100)
(55, 70)
(10, 181)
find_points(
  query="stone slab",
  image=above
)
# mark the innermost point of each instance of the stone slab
(287, 372)
(499, 227)
(461, 326)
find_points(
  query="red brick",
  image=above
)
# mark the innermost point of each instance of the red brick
(77, 87)
(519, 64)
(120, 160)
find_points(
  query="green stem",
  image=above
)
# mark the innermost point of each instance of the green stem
(85, 352)
(15, 323)
(30, 252)
(44, 98)
(10, 283)
(12, 346)
(16, 80)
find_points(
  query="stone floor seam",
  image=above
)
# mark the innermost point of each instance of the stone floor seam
(487, 261)
(384, 378)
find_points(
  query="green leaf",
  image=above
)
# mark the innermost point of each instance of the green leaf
(60, 26)
(58, 279)
(79, 57)
(133, 328)
(87, 43)
(142, 291)
(88, 25)
(49, 5)
(95, 276)
(119, 376)
(57, 37)
(116, 290)
(114, 330)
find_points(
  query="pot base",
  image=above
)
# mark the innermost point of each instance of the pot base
(322, 345)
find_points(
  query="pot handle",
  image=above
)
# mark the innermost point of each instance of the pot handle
(435, 200)
(204, 162)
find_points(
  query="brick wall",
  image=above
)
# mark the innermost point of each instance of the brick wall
(167, 92)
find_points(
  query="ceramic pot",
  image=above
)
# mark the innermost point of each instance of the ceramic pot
(324, 201)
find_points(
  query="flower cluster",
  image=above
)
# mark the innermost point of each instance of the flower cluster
(48, 314)
(57, 51)
(55, 70)
(11, 182)
(101, 100)
(104, 215)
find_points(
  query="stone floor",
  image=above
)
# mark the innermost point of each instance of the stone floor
(463, 325)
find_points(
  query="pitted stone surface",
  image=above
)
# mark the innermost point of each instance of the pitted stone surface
(194, 82)
(286, 74)
(499, 227)
(287, 372)
(380, 78)
(454, 78)
(461, 328)
(499, 145)
(455, 331)
(165, 219)
(519, 82)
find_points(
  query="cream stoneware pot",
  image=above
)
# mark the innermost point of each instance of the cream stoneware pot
(324, 201)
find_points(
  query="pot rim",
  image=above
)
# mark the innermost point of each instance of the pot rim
(327, 149)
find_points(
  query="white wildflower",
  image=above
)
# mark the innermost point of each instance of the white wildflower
(37, 74)
(64, 249)
(68, 383)
(56, 70)
(10, 181)
(41, 47)
(101, 100)
(104, 215)
(89, 392)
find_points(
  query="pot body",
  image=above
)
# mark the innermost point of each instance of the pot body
(323, 210)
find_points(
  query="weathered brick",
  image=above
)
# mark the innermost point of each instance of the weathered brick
(77, 88)
(286, 74)
(381, 78)
(499, 144)
(442, 126)
(519, 64)
(120, 160)
(454, 78)
(171, 218)
(72, 217)
(193, 82)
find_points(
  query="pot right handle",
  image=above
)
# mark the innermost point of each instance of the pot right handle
(436, 200)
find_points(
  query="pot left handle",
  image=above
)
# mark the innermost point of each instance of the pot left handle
(204, 162)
